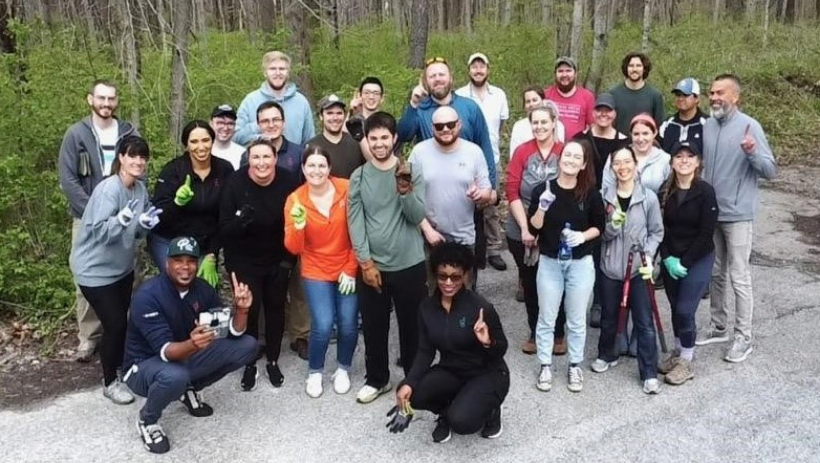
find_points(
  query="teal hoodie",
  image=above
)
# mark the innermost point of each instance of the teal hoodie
(298, 115)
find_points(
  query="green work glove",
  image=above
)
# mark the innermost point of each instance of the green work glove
(207, 270)
(184, 193)
(618, 218)
(674, 267)
(299, 215)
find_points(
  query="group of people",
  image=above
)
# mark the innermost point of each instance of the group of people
(322, 232)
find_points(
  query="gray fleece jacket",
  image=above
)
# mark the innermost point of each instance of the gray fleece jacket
(105, 248)
(652, 172)
(81, 162)
(731, 172)
(644, 225)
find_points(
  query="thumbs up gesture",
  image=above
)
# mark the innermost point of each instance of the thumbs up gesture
(481, 330)
(184, 193)
(299, 215)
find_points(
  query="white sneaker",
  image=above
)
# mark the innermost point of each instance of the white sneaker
(118, 392)
(652, 386)
(575, 379)
(341, 381)
(368, 393)
(601, 365)
(313, 388)
(544, 382)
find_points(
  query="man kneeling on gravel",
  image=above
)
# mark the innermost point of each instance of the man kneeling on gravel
(172, 351)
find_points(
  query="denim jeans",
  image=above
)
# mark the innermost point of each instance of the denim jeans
(326, 304)
(684, 296)
(574, 279)
(158, 248)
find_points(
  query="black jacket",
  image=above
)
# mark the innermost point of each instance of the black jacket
(688, 227)
(451, 334)
(674, 130)
(200, 217)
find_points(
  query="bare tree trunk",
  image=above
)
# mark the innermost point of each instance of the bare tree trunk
(647, 18)
(179, 62)
(418, 33)
(546, 11)
(396, 6)
(8, 43)
(334, 17)
(128, 52)
(718, 11)
(467, 15)
(600, 40)
(577, 28)
(300, 14)
(506, 15)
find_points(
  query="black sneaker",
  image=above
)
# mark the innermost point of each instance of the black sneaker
(195, 405)
(249, 376)
(442, 432)
(497, 263)
(153, 437)
(492, 427)
(275, 374)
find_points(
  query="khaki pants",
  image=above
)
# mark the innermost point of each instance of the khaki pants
(297, 316)
(732, 275)
(89, 326)
(492, 230)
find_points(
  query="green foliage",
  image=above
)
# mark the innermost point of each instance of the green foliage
(43, 87)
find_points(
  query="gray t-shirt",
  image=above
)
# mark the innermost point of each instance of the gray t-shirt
(447, 177)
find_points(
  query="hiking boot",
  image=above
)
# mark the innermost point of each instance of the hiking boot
(601, 365)
(544, 382)
(369, 393)
(652, 386)
(669, 363)
(560, 346)
(680, 373)
(118, 392)
(85, 352)
(712, 336)
(196, 407)
(274, 374)
(313, 385)
(595, 316)
(441, 433)
(300, 346)
(248, 382)
(341, 381)
(153, 437)
(529, 347)
(575, 379)
(497, 263)
(741, 348)
(492, 427)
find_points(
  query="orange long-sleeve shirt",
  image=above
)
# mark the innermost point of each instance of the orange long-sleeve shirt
(324, 244)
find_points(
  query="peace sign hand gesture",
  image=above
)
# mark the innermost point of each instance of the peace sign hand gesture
(481, 330)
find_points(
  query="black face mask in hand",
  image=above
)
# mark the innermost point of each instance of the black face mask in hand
(400, 418)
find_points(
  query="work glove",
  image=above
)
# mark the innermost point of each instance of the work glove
(546, 199)
(404, 177)
(574, 238)
(618, 218)
(245, 215)
(347, 284)
(207, 270)
(299, 215)
(126, 214)
(645, 270)
(400, 418)
(184, 193)
(675, 268)
(371, 275)
(150, 218)
(531, 256)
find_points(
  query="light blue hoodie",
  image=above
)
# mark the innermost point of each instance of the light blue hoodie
(652, 173)
(298, 115)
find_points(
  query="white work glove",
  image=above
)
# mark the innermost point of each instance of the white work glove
(546, 199)
(574, 238)
(646, 269)
(150, 218)
(126, 214)
(347, 284)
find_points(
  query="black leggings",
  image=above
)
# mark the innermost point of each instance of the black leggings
(269, 291)
(111, 303)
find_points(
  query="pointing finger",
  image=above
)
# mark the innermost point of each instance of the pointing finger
(188, 180)
(234, 280)
(748, 126)
(481, 315)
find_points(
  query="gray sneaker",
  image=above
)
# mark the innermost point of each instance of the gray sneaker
(741, 348)
(118, 392)
(712, 336)
(544, 382)
(575, 379)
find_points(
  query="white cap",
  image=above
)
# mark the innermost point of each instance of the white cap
(476, 56)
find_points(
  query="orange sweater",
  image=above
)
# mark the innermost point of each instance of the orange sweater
(324, 244)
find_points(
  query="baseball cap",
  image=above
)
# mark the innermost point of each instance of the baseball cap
(681, 146)
(688, 87)
(331, 100)
(224, 110)
(183, 246)
(605, 100)
(476, 56)
(566, 60)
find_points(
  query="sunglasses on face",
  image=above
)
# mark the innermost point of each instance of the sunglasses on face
(439, 126)
(437, 59)
(453, 277)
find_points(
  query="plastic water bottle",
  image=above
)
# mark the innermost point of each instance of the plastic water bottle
(564, 250)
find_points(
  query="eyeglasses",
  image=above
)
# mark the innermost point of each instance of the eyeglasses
(437, 59)
(271, 121)
(453, 277)
(439, 126)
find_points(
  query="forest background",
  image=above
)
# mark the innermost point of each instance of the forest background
(175, 60)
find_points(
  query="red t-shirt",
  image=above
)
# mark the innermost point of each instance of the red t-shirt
(575, 112)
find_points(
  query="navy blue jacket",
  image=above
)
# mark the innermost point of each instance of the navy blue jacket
(160, 316)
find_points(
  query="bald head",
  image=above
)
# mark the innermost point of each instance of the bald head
(444, 114)
(446, 126)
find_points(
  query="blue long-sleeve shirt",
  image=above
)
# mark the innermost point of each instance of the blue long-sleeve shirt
(417, 123)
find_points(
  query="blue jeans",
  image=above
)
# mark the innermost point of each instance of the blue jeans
(639, 307)
(574, 279)
(326, 304)
(684, 296)
(158, 248)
